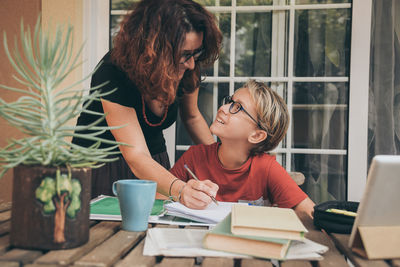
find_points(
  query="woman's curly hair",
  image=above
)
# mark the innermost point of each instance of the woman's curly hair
(148, 45)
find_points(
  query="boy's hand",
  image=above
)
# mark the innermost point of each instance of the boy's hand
(196, 194)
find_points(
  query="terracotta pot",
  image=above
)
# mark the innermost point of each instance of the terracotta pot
(50, 209)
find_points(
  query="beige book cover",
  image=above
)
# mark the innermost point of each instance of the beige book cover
(269, 222)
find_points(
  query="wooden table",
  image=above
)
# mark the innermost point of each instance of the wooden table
(110, 246)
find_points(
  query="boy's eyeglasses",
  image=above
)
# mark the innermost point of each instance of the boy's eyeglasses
(196, 54)
(235, 107)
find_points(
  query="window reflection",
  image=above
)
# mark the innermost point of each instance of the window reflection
(253, 44)
(326, 175)
(322, 43)
(319, 116)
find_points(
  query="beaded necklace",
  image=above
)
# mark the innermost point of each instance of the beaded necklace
(147, 121)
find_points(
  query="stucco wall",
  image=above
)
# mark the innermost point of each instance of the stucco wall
(11, 12)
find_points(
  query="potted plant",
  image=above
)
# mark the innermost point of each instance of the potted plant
(51, 186)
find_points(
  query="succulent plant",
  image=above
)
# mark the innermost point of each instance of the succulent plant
(42, 61)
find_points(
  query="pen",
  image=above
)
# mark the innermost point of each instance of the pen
(195, 177)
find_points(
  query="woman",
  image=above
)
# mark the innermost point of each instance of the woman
(155, 68)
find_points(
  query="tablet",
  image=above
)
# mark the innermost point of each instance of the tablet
(379, 205)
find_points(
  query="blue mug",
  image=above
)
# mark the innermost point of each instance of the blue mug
(136, 200)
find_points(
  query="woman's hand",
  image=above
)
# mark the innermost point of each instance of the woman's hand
(196, 194)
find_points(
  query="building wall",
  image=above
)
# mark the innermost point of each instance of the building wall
(11, 12)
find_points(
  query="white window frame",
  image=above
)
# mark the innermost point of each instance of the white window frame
(96, 32)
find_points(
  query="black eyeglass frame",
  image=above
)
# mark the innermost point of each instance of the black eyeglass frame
(228, 100)
(196, 55)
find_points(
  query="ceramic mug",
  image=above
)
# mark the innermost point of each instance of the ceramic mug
(136, 199)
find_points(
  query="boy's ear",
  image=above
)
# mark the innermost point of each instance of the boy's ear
(257, 136)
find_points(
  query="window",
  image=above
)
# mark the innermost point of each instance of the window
(302, 49)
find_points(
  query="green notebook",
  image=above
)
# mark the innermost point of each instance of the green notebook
(107, 208)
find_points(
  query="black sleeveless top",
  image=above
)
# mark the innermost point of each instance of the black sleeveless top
(128, 95)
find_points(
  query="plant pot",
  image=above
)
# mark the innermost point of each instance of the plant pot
(50, 208)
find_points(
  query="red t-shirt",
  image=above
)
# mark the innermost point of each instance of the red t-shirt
(260, 179)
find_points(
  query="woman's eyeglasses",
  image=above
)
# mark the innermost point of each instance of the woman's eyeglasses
(235, 107)
(196, 54)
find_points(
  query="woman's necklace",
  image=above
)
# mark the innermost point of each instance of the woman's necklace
(147, 121)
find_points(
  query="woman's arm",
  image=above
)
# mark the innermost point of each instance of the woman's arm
(143, 165)
(193, 120)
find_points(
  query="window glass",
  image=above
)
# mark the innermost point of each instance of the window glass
(253, 2)
(122, 4)
(224, 21)
(253, 44)
(305, 2)
(326, 175)
(114, 25)
(322, 42)
(319, 116)
(214, 2)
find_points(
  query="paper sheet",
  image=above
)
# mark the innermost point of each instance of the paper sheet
(188, 243)
(180, 243)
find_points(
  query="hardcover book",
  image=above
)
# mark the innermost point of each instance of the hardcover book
(221, 238)
(267, 222)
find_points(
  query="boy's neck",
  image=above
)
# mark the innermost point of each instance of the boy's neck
(232, 156)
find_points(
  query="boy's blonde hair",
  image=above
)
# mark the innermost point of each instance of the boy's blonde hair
(272, 115)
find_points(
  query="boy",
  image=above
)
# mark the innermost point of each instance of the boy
(251, 122)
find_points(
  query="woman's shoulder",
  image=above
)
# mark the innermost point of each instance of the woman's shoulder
(111, 77)
(107, 70)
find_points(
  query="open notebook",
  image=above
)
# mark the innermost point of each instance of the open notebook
(213, 214)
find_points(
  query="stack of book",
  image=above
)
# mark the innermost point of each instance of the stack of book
(265, 232)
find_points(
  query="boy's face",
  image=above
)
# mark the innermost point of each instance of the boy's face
(235, 126)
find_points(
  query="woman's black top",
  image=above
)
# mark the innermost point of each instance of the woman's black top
(128, 95)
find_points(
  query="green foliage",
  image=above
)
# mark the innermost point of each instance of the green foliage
(75, 204)
(51, 189)
(45, 193)
(42, 61)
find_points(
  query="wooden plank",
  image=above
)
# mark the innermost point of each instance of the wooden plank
(10, 264)
(256, 263)
(21, 256)
(296, 263)
(395, 263)
(5, 216)
(220, 262)
(176, 262)
(5, 206)
(110, 251)
(4, 244)
(136, 258)
(342, 241)
(332, 257)
(98, 234)
(5, 228)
